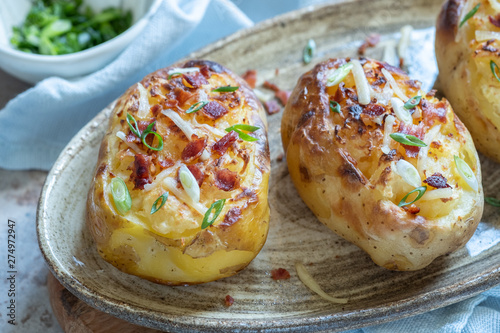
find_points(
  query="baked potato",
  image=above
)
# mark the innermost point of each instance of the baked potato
(382, 164)
(468, 56)
(180, 189)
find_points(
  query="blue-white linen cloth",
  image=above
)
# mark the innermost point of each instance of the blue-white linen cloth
(36, 125)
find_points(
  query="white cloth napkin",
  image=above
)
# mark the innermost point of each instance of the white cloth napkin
(36, 125)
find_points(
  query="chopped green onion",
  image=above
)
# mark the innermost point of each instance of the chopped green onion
(407, 139)
(238, 128)
(334, 106)
(409, 173)
(173, 74)
(339, 74)
(494, 69)
(466, 173)
(56, 28)
(161, 200)
(412, 102)
(492, 201)
(195, 107)
(121, 195)
(225, 89)
(148, 131)
(421, 191)
(309, 51)
(469, 15)
(135, 127)
(218, 205)
(189, 183)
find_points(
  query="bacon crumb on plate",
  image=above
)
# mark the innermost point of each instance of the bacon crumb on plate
(280, 274)
(272, 107)
(228, 300)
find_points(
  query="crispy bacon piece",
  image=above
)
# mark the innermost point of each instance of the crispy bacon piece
(250, 77)
(131, 137)
(434, 112)
(214, 110)
(283, 96)
(194, 149)
(221, 146)
(195, 80)
(271, 86)
(228, 301)
(280, 274)
(140, 171)
(165, 162)
(437, 180)
(198, 174)
(412, 209)
(495, 20)
(370, 41)
(205, 71)
(373, 110)
(155, 109)
(272, 107)
(226, 180)
(415, 130)
(232, 216)
(182, 95)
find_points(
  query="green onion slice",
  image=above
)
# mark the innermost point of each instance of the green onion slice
(412, 102)
(134, 128)
(121, 195)
(173, 74)
(225, 89)
(217, 206)
(195, 107)
(469, 15)
(339, 75)
(494, 69)
(421, 191)
(148, 131)
(335, 107)
(407, 139)
(492, 201)
(160, 201)
(238, 128)
(309, 51)
(466, 173)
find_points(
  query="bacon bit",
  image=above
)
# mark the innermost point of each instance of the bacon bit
(280, 274)
(228, 301)
(165, 162)
(280, 157)
(140, 171)
(340, 94)
(155, 109)
(205, 71)
(232, 216)
(155, 91)
(250, 77)
(248, 193)
(437, 180)
(197, 173)
(412, 209)
(283, 96)
(495, 20)
(271, 86)
(415, 130)
(489, 48)
(393, 70)
(272, 107)
(214, 110)
(221, 146)
(194, 149)
(370, 41)
(401, 62)
(131, 137)
(181, 95)
(374, 110)
(436, 144)
(226, 180)
(431, 93)
(195, 80)
(432, 112)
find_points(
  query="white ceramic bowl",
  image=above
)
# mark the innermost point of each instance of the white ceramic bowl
(34, 67)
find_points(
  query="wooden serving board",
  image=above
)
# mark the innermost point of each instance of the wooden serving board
(76, 316)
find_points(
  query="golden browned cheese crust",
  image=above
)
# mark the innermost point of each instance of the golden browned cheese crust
(169, 246)
(465, 74)
(338, 165)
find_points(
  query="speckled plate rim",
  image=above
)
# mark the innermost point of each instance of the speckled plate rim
(427, 301)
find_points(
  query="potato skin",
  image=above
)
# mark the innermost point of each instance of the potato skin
(336, 163)
(169, 246)
(465, 74)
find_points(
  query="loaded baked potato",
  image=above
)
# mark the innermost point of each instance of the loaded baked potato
(180, 189)
(468, 56)
(384, 165)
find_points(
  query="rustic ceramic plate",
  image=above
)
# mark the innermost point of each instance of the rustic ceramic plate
(375, 295)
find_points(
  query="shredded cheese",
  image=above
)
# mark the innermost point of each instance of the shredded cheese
(394, 85)
(183, 70)
(404, 43)
(183, 125)
(162, 175)
(424, 151)
(389, 55)
(401, 112)
(171, 185)
(482, 35)
(362, 85)
(382, 97)
(132, 145)
(310, 283)
(143, 101)
(389, 123)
